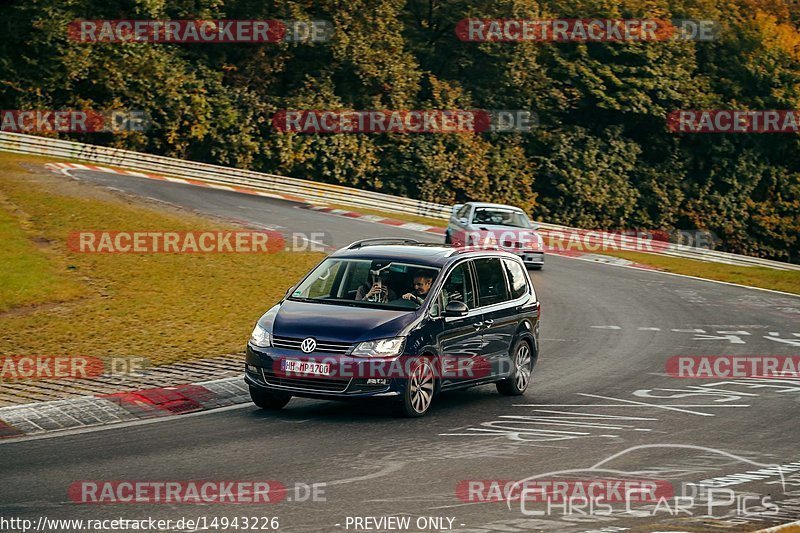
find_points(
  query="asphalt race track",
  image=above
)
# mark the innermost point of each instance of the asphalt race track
(600, 389)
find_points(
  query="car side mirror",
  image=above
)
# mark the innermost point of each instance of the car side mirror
(463, 220)
(456, 309)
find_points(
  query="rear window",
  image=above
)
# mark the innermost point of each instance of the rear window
(517, 280)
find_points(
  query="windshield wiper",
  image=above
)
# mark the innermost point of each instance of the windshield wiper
(332, 301)
(308, 300)
(353, 303)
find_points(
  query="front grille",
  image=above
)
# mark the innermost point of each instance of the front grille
(311, 384)
(289, 343)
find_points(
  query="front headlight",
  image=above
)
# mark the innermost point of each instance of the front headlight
(380, 348)
(260, 337)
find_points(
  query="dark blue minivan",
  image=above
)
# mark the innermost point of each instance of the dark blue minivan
(393, 318)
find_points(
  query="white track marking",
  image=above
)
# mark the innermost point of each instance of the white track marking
(678, 408)
(133, 423)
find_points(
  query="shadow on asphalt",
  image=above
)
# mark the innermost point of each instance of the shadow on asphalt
(484, 399)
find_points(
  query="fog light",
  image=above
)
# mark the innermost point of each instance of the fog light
(252, 369)
(373, 381)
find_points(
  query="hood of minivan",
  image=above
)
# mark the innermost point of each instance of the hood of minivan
(339, 323)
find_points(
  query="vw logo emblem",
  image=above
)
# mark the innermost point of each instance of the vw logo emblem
(308, 345)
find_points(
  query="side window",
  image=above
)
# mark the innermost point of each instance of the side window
(492, 286)
(463, 212)
(458, 286)
(516, 278)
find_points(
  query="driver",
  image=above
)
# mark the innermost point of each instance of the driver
(422, 284)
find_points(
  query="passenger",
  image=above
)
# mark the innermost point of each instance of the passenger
(379, 292)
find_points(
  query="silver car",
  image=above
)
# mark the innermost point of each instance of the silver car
(504, 226)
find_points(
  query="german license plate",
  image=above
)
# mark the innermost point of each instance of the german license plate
(295, 366)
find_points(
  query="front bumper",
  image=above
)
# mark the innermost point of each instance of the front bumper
(261, 365)
(530, 258)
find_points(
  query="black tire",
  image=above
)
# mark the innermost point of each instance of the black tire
(272, 401)
(535, 267)
(520, 378)
(419, 393)
(447, 238)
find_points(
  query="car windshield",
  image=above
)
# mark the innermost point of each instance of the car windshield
(500, 217)
(367, 283)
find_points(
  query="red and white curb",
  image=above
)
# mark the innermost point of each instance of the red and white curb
(64, 168)
(378, 219)
(43, 417)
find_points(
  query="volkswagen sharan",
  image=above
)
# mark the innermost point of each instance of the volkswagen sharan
(398, 320)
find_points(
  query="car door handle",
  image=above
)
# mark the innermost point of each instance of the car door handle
(488, 321)
(477, 325)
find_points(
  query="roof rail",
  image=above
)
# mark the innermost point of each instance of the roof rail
(380, 240)
(472, 248)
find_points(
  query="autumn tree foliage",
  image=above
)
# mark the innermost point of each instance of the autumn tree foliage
(601, 155)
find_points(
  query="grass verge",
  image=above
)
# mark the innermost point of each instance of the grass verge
(766, 278)
(165, 307)
(30, 276)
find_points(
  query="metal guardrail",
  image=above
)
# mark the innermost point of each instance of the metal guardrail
(308, 190)
(30, 144)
